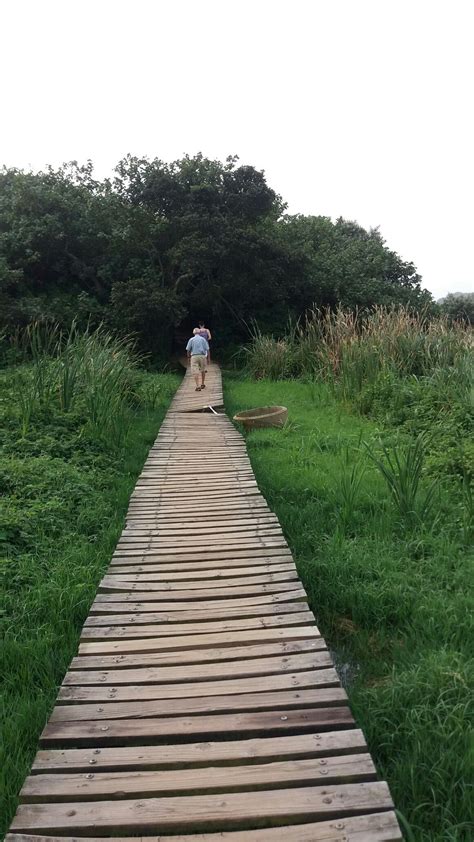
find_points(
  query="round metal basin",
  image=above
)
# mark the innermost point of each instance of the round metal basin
(263, 416)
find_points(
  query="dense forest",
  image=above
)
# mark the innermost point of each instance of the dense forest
(159, 245)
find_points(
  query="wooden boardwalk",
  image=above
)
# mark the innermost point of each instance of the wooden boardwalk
(203, 699)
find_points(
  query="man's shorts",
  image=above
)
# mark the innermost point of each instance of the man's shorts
(198, 363)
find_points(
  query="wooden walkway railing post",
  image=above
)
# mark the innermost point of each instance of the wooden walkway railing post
(203, 701)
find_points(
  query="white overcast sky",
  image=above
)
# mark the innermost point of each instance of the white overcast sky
(358, 108)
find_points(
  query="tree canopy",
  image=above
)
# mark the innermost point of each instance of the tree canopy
(160, 245)
(459, 306)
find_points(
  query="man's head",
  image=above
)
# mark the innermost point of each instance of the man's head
(195, 330)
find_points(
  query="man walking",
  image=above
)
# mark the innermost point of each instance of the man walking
(198, 350)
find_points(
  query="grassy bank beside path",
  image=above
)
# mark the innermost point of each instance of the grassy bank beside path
(392, 600)
(64, 497)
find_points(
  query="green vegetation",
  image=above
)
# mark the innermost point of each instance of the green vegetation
(459, 305)
(372, 481)
(160, 245)
(390, 593)
(66, 473)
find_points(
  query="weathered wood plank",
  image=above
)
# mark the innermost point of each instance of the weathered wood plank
(208, 556)
(206, 569)
(145, 629)
(157, 644)
(161, 729)
(194, 527)
(144, 706)
(179, 755)
(203, 811)
(246, 539)
(101, 785)
(189, 595)
(197, 656)
(171, 617)
(155, 603)
(153, 581)
(227, 550)
(123, 690)
(376, 827)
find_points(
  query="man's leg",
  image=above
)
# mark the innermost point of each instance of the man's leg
(195, 371)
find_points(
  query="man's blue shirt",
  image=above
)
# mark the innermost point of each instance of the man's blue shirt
(197, 345)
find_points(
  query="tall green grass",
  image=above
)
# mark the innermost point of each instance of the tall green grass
(76, 421)
(91, 369)
(353, 349)
(402, 469)
(400, 367)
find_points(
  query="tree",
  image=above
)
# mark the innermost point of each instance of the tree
(161, 244)
(141, 306)
(345, 264)
(459, 306)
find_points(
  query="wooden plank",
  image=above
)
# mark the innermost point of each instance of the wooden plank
(164, 485)
(233, 530)
(209, 555)
(178, 443)
(162, 729)
(108, 691)
(251, 537)
(153, 594)
(171, 617)
(213, 559)
(216, 464)
(155, 603)
(153, 581)
(200, 812)
(376, 827)
(246, 518)
(102, 785)
(323, 697)
(185, 534)
(152, 516)
(148, 614)
(259, 547)
(112, 582)
(119, 630)
(201, 527)
(206, 570)
(167, 670)
(172, 476)
(228, 504)
(172, 486)
(224, 574)
(149, 513)
(179, 755)
(192, 657)
(241, 492)
(202, 641)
